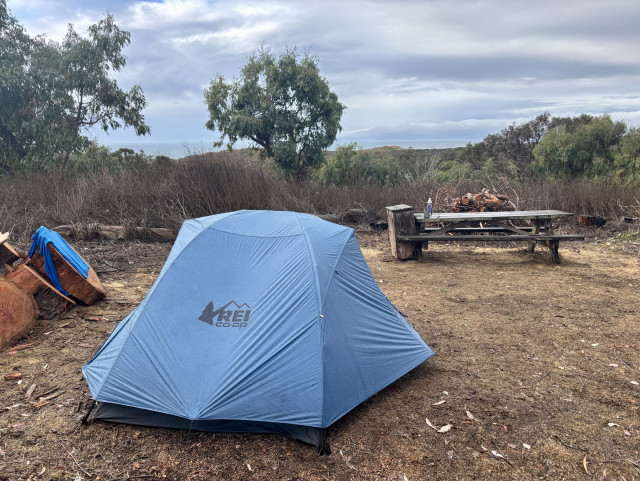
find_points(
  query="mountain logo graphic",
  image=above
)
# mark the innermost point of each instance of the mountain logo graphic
(230, 315)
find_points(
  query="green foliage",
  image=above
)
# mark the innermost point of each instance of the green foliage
(96, 159)
(511, 151)
(454, 170)
(586, 152)
(627, 158)
(351, 165)
(281, 104)
(51, 92)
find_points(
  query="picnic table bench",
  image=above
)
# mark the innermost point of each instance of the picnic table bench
(410, 232)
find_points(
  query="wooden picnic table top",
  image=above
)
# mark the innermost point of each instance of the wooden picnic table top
(489, 216)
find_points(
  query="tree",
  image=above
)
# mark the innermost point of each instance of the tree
(351, 165)
(97, 99)
(580, 149)
(50, 93)
(15, 89)
(282, 105)
(510, 151)
(627, 158)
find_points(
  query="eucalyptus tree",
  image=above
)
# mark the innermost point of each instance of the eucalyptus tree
(279, 104)
(51, 93)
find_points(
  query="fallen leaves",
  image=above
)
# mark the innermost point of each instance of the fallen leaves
(30, 391)
(13, 377)
(443, 429)
(347, 460)
(430, 424)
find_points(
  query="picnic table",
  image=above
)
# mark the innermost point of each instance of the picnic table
(410, 232)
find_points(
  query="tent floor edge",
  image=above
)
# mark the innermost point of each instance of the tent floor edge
(324, 447)
(85, 418)
(141, 417)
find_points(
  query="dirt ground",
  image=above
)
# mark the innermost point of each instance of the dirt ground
(536, 374)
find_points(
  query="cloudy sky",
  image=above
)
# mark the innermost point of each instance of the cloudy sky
(408, 71)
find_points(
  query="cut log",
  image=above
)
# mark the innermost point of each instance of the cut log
(117, 232)
(88, 291)
(586, 219)
(18, 312)
(51, 302)
(485, 201)
(402, 222)
(8, 254)
(589, 220)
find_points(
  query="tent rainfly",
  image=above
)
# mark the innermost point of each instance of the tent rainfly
(259, 321)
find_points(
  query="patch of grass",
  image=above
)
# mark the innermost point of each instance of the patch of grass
(630, 237)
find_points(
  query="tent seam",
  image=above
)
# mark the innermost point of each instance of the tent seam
(320, 303)
(323, 300)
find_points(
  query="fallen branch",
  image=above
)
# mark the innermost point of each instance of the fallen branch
(132, 477)
(74, 459)
(501, 453)
(568, 445)
(623, 361)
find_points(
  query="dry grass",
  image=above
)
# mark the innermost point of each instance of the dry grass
(226, 181)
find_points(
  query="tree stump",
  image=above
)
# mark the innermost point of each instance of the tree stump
(402, 222)
(18, 312)
(51, 302)
(88, 291)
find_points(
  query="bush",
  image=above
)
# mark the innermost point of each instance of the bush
(351, 165)
(165, 193)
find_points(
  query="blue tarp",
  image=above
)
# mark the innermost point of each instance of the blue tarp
(261, 317)
(41, 239)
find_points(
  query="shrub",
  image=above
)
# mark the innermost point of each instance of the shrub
(351, 165)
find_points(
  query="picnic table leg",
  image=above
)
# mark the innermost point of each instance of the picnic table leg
(535, 230)
(553, 248)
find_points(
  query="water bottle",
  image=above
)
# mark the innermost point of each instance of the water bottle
(428, 210)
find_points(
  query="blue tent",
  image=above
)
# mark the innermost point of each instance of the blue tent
(260, 321)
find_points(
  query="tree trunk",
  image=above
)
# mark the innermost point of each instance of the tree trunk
(18, 313)
(51, 302)
(8, 136)
(117, 232)
(88, 291)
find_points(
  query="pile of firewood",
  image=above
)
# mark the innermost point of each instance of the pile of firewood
(26, 293)
(485, 201)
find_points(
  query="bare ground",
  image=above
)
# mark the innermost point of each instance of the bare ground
(536, 373)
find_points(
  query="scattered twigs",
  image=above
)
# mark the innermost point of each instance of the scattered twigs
(568, 445)
(501, 453)
(623, 361)
(74, 459)
(636, 465)
(132, 477)
(584, 384)
(538, 380)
